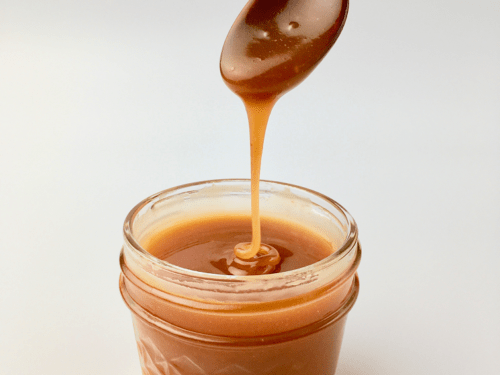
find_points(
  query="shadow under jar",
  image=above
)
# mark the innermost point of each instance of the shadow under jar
(194, 323)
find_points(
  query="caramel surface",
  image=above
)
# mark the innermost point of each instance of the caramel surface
(206, 244)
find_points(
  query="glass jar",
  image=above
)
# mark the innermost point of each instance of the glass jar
(189, 323)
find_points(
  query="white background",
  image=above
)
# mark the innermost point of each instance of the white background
(103, 103)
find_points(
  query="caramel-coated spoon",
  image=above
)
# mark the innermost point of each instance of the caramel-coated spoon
(274, 44)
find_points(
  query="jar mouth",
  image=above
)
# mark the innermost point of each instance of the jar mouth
(160, 266)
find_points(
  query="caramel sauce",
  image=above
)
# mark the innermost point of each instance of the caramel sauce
(209, 247)
(271, 48)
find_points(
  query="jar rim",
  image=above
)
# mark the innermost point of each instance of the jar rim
(348, 244)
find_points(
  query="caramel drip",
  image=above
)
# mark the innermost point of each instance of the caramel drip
(271, 48)
(264, 262)
(258, 116)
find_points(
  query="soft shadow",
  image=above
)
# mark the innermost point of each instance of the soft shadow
(360, 362)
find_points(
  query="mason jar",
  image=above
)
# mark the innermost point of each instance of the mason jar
(193, 323)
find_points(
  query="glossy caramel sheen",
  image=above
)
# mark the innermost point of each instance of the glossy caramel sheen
(274, 45)
(206, 245)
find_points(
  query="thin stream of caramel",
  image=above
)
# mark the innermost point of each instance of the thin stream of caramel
(258, 117)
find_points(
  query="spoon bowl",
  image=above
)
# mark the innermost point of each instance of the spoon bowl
(274, 45)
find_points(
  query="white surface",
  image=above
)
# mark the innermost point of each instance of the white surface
(103, 103)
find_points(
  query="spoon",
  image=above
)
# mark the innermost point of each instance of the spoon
(275, 44)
